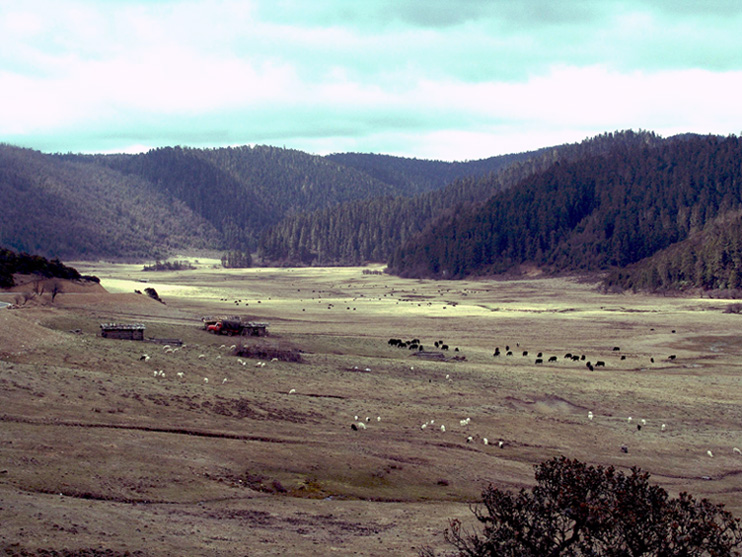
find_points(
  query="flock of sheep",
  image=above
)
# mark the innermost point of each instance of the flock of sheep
(415, 344)
(167, 349)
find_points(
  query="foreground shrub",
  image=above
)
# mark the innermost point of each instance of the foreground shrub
(580, 510)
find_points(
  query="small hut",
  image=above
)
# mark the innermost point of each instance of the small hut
(133, 331)
(253, 329)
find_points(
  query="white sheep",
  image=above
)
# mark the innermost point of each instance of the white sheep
(378, 418)
(485, 441)
(443, 429)
(663, 427)
(201, 356)
(180, 374)
(501, 444)
(644, 422)
(736, 450)
(710, 453)
(224, 380)
(292, 391)
(629, 419)
(469, 439)
(589, 415)
(206, 379)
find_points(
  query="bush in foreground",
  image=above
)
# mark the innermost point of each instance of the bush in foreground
(580, 510)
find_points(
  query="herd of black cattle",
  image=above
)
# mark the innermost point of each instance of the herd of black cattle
(415, 344)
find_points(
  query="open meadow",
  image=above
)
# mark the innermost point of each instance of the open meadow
(113, 446)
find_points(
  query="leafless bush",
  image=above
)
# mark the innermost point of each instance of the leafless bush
(56, 289)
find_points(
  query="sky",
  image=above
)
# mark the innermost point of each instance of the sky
(434, 79)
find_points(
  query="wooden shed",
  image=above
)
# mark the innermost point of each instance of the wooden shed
(253, 329)
(134, 331)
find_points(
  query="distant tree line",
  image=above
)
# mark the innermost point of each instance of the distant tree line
(236, 260)
(158, 265)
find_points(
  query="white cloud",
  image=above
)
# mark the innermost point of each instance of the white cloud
(442, 80)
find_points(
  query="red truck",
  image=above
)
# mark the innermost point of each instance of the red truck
(226, 327)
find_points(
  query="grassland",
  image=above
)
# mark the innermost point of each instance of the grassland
(101, 452)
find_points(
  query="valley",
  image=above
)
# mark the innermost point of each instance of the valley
(196, 450)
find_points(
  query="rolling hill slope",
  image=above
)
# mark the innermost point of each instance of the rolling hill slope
(73, 210)
(593, 213)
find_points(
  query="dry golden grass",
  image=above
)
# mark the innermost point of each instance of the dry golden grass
(97, 452)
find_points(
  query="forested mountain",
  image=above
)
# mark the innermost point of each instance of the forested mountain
(709, 259)
(74, 210)
(148, 204)
(370, 231)
(600, 211)
(663, 213)
(241, 191)
(414, 176)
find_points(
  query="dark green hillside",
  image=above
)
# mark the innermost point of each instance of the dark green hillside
(243, 190)
(370, 231)
(415, 176)
(709, 259)
(66, 209)
(593, 213)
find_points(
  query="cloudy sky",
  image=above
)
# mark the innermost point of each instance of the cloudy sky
(443, 79)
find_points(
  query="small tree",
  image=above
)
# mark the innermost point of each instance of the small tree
(56, 289)
(580, 510)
